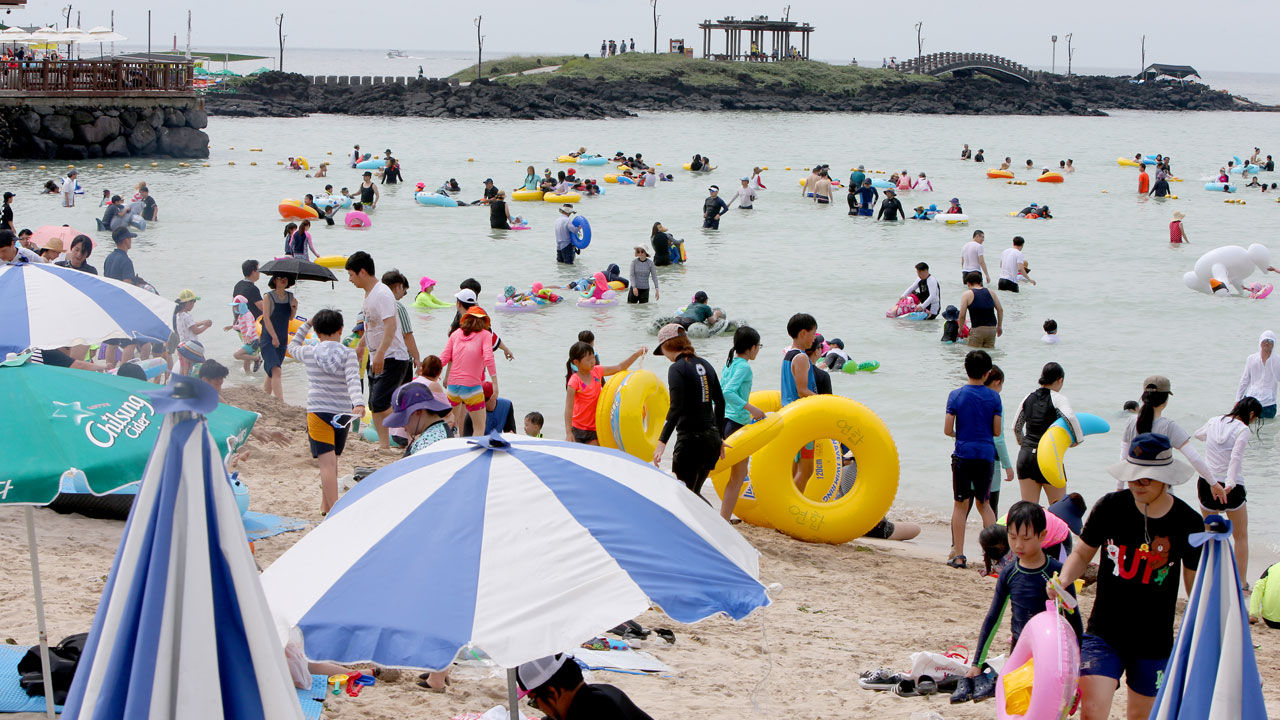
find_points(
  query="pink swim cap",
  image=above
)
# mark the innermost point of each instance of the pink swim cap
(536, 288)
(421, 185)
(426, 283)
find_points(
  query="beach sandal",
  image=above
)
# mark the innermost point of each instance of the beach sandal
(427, 686)
(958, 562)
(915, 688)
(984, 686)
(666, 634)
(963, 691)
(881, 679)
(631, 629)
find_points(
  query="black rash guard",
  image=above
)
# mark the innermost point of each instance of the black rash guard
(697, 405)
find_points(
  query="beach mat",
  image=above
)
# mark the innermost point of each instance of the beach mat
(13, 699)
(625, 661)
(262, 525)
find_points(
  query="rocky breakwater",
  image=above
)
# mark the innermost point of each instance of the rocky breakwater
(277, 94)
(82, 132)
(561, 96)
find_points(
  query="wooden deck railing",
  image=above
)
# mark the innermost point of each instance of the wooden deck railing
(90, 78)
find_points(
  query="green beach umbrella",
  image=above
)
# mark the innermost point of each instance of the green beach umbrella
(59, 419)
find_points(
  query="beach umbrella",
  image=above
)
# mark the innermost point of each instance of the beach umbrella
(299, 269)
(47, 306)
(102, 35)
(183, 629)
(519, 546)
(105, 34)
(79, 420)
(45, 34)
(71, 35)
(43, 234)
(14, 34)
(1212, 673)
(96, 423)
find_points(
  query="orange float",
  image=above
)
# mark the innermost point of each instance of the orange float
(999, 174)
(1050, 177)
(294, 210)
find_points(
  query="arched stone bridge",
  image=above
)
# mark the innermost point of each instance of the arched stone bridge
(995, 66)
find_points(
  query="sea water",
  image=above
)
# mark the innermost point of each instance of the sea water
(1106, 271)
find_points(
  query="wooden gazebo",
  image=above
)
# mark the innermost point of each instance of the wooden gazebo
(758, 29)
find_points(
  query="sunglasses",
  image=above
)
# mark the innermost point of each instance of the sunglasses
(343, 420)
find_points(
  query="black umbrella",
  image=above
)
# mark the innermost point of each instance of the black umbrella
(299, 269)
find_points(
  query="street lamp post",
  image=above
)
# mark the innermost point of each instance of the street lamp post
(1053, 67)
(1069, 54)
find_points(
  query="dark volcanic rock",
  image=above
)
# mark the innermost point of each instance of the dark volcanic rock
(278, 94)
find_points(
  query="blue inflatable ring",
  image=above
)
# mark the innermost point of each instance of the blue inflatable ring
(583, 237)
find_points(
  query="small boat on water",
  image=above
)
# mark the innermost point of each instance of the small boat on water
(396, 54)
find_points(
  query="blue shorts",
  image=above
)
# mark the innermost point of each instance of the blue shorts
(1269, 412)
(1142, 675)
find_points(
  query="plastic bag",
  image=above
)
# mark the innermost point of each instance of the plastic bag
(936, 665)
(297, 659)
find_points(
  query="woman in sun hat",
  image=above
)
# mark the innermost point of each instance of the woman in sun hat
(1144, 533)
(697, 410)
(190, 350)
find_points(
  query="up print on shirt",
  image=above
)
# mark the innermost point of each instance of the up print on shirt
(1156, 556)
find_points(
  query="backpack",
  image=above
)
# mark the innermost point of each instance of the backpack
(63, 659)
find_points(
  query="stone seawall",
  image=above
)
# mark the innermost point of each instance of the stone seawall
(86, 128)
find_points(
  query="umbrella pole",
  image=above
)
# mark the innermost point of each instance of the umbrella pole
(44, 638)
(513, 699)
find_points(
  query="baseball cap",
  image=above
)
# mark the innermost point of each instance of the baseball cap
(535, 673)
(744, 178)
(238, 300)
(410, 398)
(8, 195)
(1159, 383)
(488, 389)
(488, 180)
(466, 296)
(187, 296)
(122, 233)
(1150, 456)
(714, 188)
(668, 331)
(567, 209)
(477, 311)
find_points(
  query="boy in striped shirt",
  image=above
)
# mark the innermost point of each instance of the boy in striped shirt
(333, 398)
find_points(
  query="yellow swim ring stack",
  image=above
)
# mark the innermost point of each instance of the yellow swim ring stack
(770, 497)
(629, 415)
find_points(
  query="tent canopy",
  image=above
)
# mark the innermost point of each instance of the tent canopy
(1180, 72)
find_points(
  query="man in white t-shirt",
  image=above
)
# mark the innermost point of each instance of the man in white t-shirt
(69, 189)
(388, 357)
(1013, 267)
(971, 259)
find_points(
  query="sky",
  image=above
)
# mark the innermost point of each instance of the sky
(1106, 33)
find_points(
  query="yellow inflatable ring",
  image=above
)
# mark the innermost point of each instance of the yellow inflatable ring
(526, 195)
(294, 324)
(999, 174)
(616, 285)
(566, 198)
(332, 261)
(623, 168)
(740, 446)
(611, 178)
(566, 159)
(302, 162)
(687, 166)
(629, 415)
(1126, 162)
(851, 516)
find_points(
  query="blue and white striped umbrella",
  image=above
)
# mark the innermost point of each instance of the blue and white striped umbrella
(183, 629)
(520, 546)
(1213, 673)
(47, 306)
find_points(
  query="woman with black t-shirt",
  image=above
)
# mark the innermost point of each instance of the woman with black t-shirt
(697, 409)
